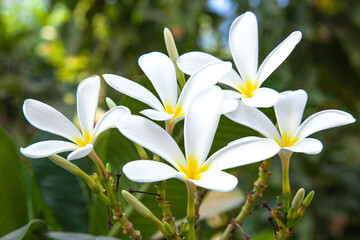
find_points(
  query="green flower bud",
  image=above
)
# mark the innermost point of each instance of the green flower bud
(299, 197)
(108, 168)
(173, 54)
(144, 211)
(295, 204)
(308, 198)
(306, 203)
(110, 103)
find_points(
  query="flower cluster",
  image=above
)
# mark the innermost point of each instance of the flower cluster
(200, 103)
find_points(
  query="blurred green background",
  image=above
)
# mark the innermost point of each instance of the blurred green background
(47, 47)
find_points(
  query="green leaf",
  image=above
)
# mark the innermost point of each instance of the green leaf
(67, 195)
(37, 207)
(30, 231)
(12, 184)
(75, 236)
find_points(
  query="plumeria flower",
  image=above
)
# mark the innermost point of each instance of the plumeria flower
(161, 72)
(46, 118)
(200, 125)
(292, 135)
(243, 42)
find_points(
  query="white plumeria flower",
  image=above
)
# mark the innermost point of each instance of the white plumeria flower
(46, 118)
(200, 125)
(292, 135)
(243, 42)
(161, 72)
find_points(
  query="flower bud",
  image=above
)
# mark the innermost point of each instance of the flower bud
(299, 197)
(306, 203)
(308, 198)
(295, 204)
(144, 211)
(173, 54)
(110, 103)
(108, 168)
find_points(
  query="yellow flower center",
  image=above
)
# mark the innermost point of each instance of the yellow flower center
(287, 140)
(193, 171)
(87, 139)
(178, 112)
(248, 89)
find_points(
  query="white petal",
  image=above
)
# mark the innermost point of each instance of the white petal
(201, 122)
(277, 56)
(191, 62)
(47, 148)
(229, 105)
(150, 171)
(231, 94)
(87, 97)
(157, 115)
(152, 137)
(216, 180)
(254, 119)
(242, 152)
(161, 72)
(232, 79)
(108, 120)
(306, 145)
(289, 111)
(48, 119)
(215, 203)
(263, 97)
(324, 120)
(206, 77)
(134, 90)
(80, 153)
(243, 41)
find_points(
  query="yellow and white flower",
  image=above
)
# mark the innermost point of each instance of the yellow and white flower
(46, 118)
(243, 42)
(200, 125)
(292, 135)
(161, 72)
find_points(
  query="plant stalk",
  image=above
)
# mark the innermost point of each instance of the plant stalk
(191, 218)
(252, 198)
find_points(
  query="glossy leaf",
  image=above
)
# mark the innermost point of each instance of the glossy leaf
(66, 194)
(12, 184)
(29, 231)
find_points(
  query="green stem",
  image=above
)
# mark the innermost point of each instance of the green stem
(169, 126)
(129, 210)
(199, 197)
(286, 192)
(191, 218)
(252, 198)
(128, 227)
(99, 164)
(165, 205)
(284, 231)
(142, 153)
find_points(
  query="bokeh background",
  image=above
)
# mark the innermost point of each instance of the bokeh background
(48, 47)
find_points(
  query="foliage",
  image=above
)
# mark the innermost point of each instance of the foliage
(47, 47)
